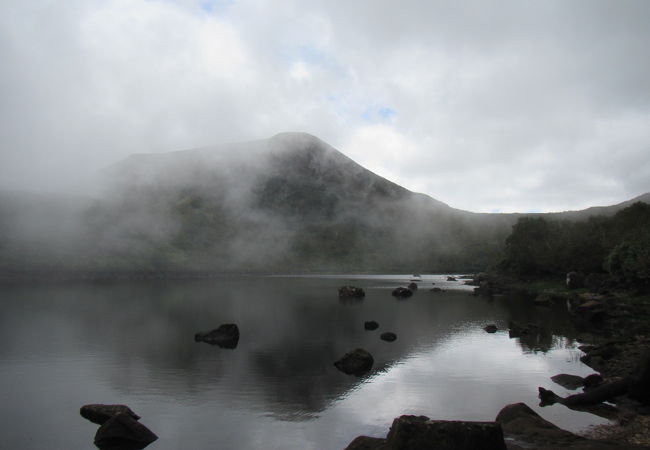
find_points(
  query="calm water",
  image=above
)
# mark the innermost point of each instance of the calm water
(68, 345)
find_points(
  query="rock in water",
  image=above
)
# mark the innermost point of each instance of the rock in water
(492, 328)
(388, 336)
(418, 432)
(123, 432)
(568, 381)
(351, 292)
(402, 292)
(371, 325)
(226, 336)
(99, 414)
(412, 287)
(356, 362)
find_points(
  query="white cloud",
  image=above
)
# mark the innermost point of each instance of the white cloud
(540, 106)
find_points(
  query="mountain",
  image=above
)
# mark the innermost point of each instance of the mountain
(288, 203)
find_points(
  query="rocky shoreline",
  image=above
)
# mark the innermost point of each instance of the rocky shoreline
(614, 332)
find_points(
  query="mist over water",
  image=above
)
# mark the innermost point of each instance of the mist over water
(132, 342)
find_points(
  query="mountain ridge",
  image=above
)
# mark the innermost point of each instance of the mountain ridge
(288, 203)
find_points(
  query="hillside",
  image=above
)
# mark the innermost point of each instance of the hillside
(288, 203)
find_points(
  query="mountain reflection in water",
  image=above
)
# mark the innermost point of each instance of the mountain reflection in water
(133, 343)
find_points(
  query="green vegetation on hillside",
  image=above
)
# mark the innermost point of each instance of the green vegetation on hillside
(619, 245)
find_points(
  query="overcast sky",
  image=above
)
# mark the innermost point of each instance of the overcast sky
(487, 106)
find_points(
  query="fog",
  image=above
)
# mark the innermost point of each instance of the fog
(288, 203)
(542, 107)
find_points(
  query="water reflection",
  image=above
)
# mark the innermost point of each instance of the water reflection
(133, 343)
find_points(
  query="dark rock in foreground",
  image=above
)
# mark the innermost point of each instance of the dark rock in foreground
(371, 325)
(351, 292)
(450, 278)
(402, 292)
(491, 328)
(527, 430)
(356, 362)
(412, 287)
(100, 414)
(419, 432)
(388, 336)
(226, 336)
(123, 432)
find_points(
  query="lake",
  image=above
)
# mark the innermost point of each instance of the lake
(67, 345)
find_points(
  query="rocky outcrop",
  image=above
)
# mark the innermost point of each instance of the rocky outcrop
(419, 432)
(351, 292)
(226, 336)
(357, 362)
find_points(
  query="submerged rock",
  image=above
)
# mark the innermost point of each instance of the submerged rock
(412, 287)
(567, 381)
(351, 292)
(99, 414)
(123, 432)
(388, 336)
(419, 432)
(226, 336)
(356, 362)
(371, 325)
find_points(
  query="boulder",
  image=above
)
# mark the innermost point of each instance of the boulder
(520, 421)
(99, 414)
(226, 336)
(412, 287)
(356, 362)
(123, 432)
(492, 328)
(450, 278)
(567, 381)
(388, 336)
(418, 432)
(371, 325)
(524, 428)
(575, 280)
(351, 292)
(402, 292)
(366, 443)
